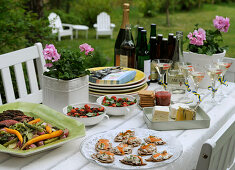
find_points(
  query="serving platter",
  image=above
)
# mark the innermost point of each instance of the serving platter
(202, 121)
(173, 146)
(140, 76)
(76, 129)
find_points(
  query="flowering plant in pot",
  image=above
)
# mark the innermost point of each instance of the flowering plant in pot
(208, 41)
(205, 45)
(65, 81)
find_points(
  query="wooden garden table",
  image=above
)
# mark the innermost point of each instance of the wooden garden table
(69, 157)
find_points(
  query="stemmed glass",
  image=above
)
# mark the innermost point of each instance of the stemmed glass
(186, 69)
(162, 66)
(197, 74)
(214, 73)
(224, 66)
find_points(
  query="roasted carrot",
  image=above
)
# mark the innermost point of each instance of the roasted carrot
(16, 132)
(48, 129)
(34, 121)
(43, 137)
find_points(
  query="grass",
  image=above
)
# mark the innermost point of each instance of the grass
(180, 21)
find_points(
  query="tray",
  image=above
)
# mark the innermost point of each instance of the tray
(202, 121)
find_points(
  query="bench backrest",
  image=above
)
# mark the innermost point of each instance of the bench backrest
(103, 21)
(55, 22)
(13, 67)
(219, 151)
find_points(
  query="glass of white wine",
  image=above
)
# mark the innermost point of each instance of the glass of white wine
(224, 66)
(162, 66)
(186, 69)
(214, 72)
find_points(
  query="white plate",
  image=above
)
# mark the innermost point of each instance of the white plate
(173, 146)
(91, 86)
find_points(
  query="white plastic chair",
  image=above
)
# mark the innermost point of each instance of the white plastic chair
(218, 152)
(16, 59)
(104, 25)
(57, 26)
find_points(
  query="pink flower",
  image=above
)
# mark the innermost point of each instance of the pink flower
(50, 53)
(221, 23)
(48, 65)
(86, 47)
(197, 37)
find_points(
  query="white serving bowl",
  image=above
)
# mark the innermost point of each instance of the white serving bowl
(117, 111)
(88, 121)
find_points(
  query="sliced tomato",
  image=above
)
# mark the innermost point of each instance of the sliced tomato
(83, 116)
(87, 107)
(114, 98)
(114, 105)
(101, 109)
(73, 111)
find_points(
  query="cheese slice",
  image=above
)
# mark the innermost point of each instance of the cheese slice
(175, 107)
(185, 114)
(160, 113)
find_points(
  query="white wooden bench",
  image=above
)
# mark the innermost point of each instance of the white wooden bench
(34, 62)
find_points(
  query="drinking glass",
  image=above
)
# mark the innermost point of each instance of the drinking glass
(214, 72)
(162, 66)
(186, 69)
(224, 66)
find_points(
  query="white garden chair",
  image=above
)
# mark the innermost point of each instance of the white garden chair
(57, 26)
(104, 25)
(32, 57)
(219, 151)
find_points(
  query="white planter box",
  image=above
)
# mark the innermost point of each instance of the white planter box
(202, 60)
(58, 94)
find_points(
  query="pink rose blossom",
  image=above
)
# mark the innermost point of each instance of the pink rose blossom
(48, 65)
(197, 37)
(221, 23)
(86, 47)
(50, 53)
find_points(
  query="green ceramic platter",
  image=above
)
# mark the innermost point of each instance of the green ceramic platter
(76, 129)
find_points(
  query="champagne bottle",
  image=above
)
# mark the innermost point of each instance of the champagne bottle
(152, 34)
(138, 42)
(171, 46)
(178, 52)
(127, 56)
(121, 34)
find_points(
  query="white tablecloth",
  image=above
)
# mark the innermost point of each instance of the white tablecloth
(69, 157)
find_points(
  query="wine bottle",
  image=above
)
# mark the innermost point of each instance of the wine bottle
(138, 42)
(153, 55)
(143, 52)
(159, 41)
(127, 56)
(171, 46)
(152, 34)
(121, 34)
(178, 52)
(164, 48)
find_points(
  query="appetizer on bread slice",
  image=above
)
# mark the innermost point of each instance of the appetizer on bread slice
(147, 149)
(124, 135)
(155, 140)
(104, 156)
(132, 140)
(159, 156)
(122, 149)
(103, 145)
(133, 160)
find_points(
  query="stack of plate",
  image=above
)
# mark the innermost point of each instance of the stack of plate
(131, 87)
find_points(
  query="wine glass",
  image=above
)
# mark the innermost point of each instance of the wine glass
(224, 66)
(214, 72)
(197, 74)
(186, 69)
(162, 66)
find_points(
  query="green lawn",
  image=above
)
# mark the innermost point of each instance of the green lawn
(180, 21)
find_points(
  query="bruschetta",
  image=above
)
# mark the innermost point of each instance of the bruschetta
(159, 156)
(155, 140)
(103, 156)
(133, 160)
(147, 149)
(103, 145)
